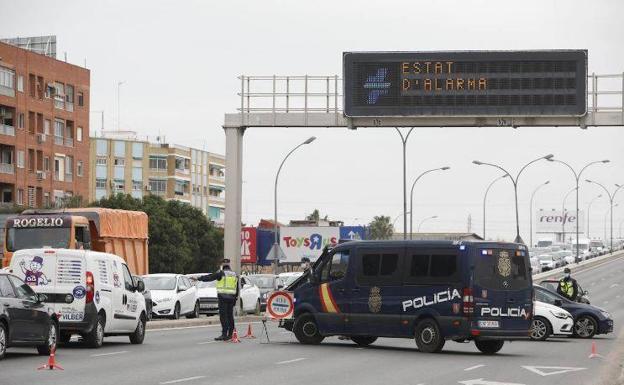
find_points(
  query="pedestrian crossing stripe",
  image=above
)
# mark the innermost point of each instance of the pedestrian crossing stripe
(327, 299)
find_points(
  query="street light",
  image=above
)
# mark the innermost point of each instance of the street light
(531, 211)
(404, 141)
(412, 192)
(611, 198)
(588, 208)
(275, 240)
(487, 190)
(423, 221)
(563, 221)
(605, 220)
(515, 184)
(577, 177)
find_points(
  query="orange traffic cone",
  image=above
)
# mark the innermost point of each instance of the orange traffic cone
(51, 361)
(234, 338)
(594, 353)
(249, 333)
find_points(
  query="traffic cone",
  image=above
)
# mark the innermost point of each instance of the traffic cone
(594, 353)
(51, 361)
(234, 338)
(249, 333)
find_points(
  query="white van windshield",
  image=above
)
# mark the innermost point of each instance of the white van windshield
(37, 237)
(160, 283)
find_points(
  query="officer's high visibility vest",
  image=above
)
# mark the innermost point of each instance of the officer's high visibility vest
(567, 288)
(228, 283)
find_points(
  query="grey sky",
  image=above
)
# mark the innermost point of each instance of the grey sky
(180, 60)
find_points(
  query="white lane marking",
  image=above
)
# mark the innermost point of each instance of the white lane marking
(182, 380)
(606, 302)
(109, 354)
(550, 370)
(207, 342)
(614, 285)
(481, 381)
(289, 361)
(473, 367)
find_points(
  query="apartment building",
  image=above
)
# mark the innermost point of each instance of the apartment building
(121, 163)
(44, 129)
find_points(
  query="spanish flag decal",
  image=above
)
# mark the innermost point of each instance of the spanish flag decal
(327, 299)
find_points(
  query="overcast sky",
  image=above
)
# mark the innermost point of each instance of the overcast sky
(180, 61)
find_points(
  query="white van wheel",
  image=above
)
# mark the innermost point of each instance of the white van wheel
(95, 338)
(138, 336)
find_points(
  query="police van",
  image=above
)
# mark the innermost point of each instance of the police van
(431, 291)
(93, 293)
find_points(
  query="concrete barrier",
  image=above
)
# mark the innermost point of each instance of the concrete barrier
(577, 267)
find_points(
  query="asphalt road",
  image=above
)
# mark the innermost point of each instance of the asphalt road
(190, 356)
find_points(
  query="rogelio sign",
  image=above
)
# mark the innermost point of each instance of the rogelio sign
(299, 242)
(556, 221)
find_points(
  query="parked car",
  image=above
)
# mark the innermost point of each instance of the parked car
(552, 284)
(266, 283)
(550, 320)
(284, 279)
(147, 295)
(249, 296)
(548, 262)
(589, 320)
(24, 319)
(93, 292)
(207, 292)
(173, 295)
(536, 266)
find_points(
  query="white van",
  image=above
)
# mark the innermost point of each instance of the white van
(93, 293)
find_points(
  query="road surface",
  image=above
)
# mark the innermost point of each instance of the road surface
(190, 356)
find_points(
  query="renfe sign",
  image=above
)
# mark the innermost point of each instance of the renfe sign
(554, 221)
(465, 83)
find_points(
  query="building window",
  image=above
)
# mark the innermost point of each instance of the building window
(20, 159)
(59, 128)
(119, 185)
(20, 120)
(137, 150)
(101, 161)
(20, 83)
(181, 187)
(46, 127)
(137, 185)
(46, 164)
(137, 173)
(79, 168)
(120, 162)
(158, 163)
(7, 81)
(120, 148)
(59, 95)
(100, 184)
(20, 196)
(157, 186)
(79, 134)
(101, 147)
(80, 99)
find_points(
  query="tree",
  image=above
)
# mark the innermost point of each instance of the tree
(381, 228)
(315, 216)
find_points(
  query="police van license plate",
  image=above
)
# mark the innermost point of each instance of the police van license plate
(488, 324)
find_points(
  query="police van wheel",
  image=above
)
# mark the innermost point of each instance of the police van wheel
(428, 337)
(489, 347)
(306, 330)
(363, 340)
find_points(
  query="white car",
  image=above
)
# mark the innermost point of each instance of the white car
(550, 320)
(207, 291)
(285, 279)
(536, 266)
(173, 295)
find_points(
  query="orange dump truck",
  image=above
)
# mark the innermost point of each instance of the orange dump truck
(119, 232)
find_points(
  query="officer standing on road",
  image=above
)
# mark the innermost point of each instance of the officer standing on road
(305, 264)
(568, 286)
(227, 294)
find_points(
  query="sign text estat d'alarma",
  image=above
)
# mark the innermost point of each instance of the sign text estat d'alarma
(465, 83)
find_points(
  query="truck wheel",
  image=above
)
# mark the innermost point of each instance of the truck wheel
(489, 347)
(585, 327)
(306, 330)
(3, 340)
(53, 334)
(195, 312)
(540, 329)
(138, 336)
(363, 340)
(428, 337)
(95, 338)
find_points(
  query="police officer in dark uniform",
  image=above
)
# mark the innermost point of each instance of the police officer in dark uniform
(227, 294)
(567, 286)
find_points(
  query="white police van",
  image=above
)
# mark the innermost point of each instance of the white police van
(93, 293)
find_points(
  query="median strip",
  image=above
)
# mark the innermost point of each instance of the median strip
(289, 361)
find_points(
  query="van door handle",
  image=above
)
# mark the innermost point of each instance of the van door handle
(6, 304)
(355, 290)
(124, 299)
(511, 300)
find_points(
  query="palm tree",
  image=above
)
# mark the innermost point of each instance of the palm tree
(381, 228)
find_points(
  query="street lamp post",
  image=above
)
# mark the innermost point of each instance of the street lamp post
(611, 198)
(604, 226)
(531, 211)
(412, 193)
(515, 184)
(276, 240)
(589, 208)
(404, 141)
(487, 190)
(423, 221)
(563, 218)
(577, 177)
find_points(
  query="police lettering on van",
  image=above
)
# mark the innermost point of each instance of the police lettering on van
(431, 291)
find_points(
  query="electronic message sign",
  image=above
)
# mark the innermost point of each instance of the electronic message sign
(465, 83)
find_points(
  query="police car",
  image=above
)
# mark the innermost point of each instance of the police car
(431, 291)
(93, 293)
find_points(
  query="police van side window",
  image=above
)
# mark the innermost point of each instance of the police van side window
(335, 269)
(380, 269)
(431, 266)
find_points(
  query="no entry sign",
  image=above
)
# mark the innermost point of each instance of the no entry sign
(281, 305)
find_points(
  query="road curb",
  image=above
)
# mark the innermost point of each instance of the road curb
(196, 322)
(578, 267)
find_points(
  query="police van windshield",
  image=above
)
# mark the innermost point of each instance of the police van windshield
(501, 269)
(37, 237)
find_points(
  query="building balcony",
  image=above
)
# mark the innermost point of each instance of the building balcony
(58, 140)
(216, 199)
(217, 178)
(7, 168)
(69, 107)
(69, 177)
(69, 142)
(5, 129)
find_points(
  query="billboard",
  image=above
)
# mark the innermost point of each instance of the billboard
(553, 221)
(249, 245)
(465, 83)
(299, 242)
